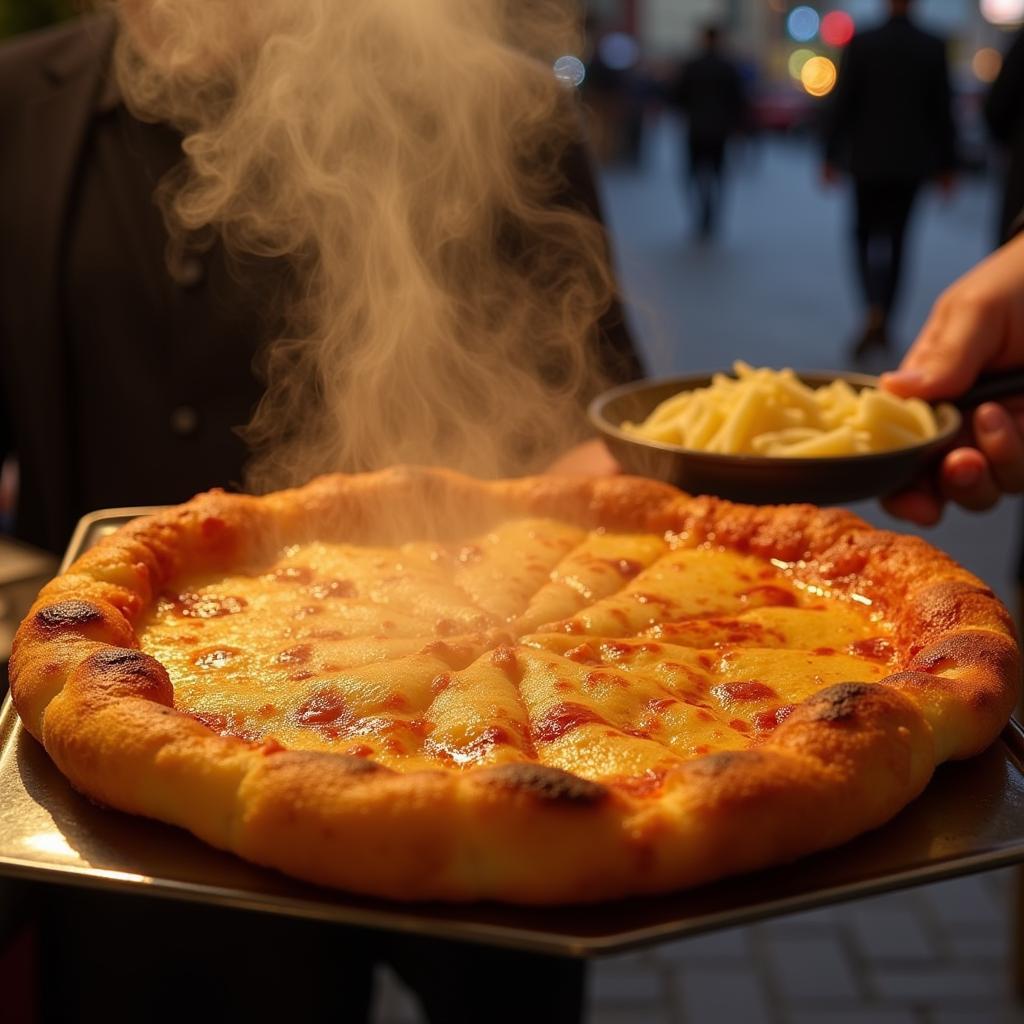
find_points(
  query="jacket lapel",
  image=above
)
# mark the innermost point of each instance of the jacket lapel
(54, 128)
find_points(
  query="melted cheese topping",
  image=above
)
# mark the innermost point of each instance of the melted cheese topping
(613, 656)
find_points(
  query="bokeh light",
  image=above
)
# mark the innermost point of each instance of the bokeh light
(1003, 12)
(802, 24)
(837, 29)
(570, 70)
(797, 60)
(818, 76)
(619, 51)
(986, 64)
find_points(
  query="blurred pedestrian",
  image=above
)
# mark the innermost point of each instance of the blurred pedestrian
(1004, 113)
(890, 126)
(709, 92)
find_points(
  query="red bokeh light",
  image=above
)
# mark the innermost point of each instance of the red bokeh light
(836, 28)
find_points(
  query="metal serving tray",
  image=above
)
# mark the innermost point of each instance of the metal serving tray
(971, 818)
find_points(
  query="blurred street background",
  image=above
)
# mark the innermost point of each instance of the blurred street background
(774, 284)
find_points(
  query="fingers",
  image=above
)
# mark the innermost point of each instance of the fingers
(999, 439)
(918, 505)
(972, 477)
(959, 339)
(965, 478)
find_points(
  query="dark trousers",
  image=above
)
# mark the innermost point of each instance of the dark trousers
(880, 226)
(126, 959)
(706, 169)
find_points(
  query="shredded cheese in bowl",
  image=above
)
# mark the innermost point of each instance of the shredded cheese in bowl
(771, 412)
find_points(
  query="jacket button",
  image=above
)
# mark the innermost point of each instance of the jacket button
(184, 421)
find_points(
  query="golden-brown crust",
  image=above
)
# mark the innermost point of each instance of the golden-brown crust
(515, 832)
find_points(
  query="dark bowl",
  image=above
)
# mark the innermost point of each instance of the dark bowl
(761, 479)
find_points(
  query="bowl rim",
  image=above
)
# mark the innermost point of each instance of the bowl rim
(692, 381)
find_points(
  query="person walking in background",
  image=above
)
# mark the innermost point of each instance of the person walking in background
(709, 93)
(1004, 114)
(890, 126)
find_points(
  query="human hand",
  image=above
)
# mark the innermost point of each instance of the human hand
(591, 458)
(977, 324)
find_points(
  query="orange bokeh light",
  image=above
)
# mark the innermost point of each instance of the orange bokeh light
(818, 76)
(986, 64)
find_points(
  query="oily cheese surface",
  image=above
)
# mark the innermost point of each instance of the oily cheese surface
(420, 686)
(615, 656)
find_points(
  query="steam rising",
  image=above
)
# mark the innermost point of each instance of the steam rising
(403, 154)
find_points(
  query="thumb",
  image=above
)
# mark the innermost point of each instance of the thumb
(956, 344)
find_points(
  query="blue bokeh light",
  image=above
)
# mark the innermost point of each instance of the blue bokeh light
(803, 24)
(570, 70)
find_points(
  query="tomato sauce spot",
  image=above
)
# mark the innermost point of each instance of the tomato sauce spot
(583, 654)
(766, 721)
(562, 718)
(875, 648)
(769, 594)
(297, 655)
(747, 689)
(325, 707)
(659, 704)
(440, 683)
(504, 658)
(596, 679)
(358, 750)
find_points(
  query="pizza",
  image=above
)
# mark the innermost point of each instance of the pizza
(416, 685)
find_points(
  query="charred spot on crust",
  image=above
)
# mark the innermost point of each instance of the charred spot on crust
(837, 703)
(72, 614)
(545, 783)
(122, 662)
(120, 665)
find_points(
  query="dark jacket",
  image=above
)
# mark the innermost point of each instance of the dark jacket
(890, 117)
(122, 383)
(709, 92)
(1004, 112)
